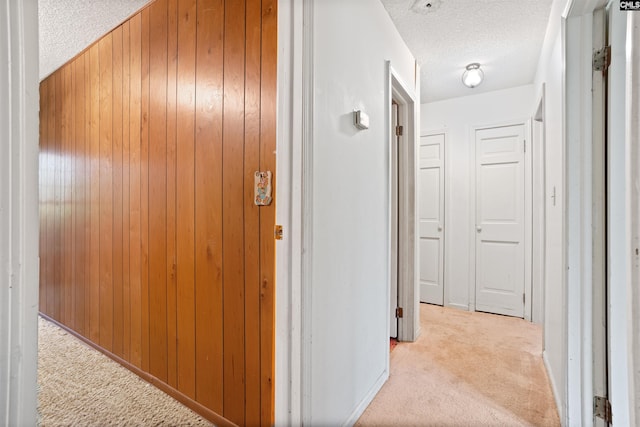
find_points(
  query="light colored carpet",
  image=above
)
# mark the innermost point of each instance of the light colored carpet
(466, 369)
(79, 386)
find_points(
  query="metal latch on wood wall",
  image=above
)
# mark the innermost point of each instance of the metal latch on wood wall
(278, 232)
(602, 408)
(399, 312)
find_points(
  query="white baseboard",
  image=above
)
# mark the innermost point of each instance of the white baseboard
(359, 410)
(458, 306)
(554, 388)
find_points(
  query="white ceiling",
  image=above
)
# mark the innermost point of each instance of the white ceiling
(67, 27)
(504, 36)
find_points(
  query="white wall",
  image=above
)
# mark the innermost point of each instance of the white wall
(350, 206)
(18, 211)
(458, 117)
(555, 335)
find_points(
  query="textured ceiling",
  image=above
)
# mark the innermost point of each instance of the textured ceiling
(67, 27)
(504, 36)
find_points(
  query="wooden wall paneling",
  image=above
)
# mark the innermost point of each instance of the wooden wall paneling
(172, 59)
(43, 184)
(51, 199)
(233, 210)
(94, 270)
(117, 218)
(135, 198)
(87, 187)
(126, 170)
(79, 174)
(208, 196)
(158, 189)
(152, 245)
(58, 234)
(68, 196)
(185, 152)
(144, 188)
(105, 46)
(267, 214)
(252, 212)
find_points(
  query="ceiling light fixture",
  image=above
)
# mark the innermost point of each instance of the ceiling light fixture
(472, 75)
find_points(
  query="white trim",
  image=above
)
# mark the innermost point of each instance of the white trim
(538, 167)
(289, 214)
(554, 388)
(408, 296)
(526, 122)
(307, 207)
(19, 222)
(371, 394)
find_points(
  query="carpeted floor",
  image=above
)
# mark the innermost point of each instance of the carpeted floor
(466, 369)
(79, 386)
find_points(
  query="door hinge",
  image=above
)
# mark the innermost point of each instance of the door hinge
(602, 408)
(399, 131)
(278, 232)
(399, 312)
(523, 298)
(602, 59)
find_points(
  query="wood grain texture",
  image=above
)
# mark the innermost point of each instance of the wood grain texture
(185, 157)
(233, 210)
(158, 189)
(152, 247)
(208, 199)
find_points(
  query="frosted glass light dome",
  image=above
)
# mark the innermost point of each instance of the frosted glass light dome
(473, 75)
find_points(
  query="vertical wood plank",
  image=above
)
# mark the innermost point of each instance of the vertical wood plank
(79, 197)
(267, 214)
(106, 192)
(208, 215)
(68, 200)
(135, 237)
(95, 194)
(43, 194)
(158, 189)
(51, 198)
(126, 170)
(58, 236)
(172, 52)
(144, 188)
(87, 200)
(185, 196)
(233, 210)
(116, 93)
(252, 212)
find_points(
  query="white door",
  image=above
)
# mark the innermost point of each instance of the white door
(432, 218)
(500, 254)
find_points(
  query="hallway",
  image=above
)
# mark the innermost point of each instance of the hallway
(466, 369)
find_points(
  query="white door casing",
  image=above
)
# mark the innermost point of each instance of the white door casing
(393, 291)
(431, 184)
(500, 220)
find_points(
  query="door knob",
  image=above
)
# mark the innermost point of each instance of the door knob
(440, 227)
(478, 228)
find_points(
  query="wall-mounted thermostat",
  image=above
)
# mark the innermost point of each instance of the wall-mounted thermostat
(360, 119)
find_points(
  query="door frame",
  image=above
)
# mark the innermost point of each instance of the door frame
(527, 212)
(405, 234)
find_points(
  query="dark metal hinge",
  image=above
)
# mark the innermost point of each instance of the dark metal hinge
(523, 298)
(399, 131)
(602, 59)
(602, 408)
(399, 312)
